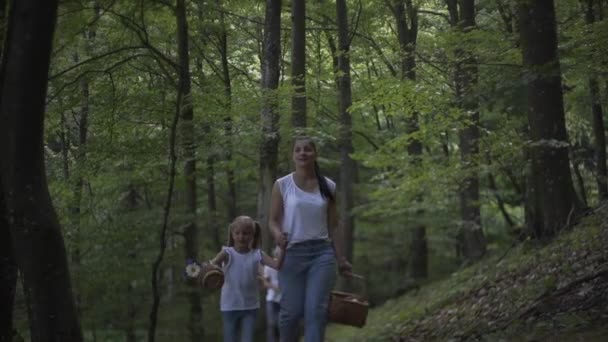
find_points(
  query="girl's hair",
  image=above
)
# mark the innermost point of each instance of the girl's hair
(323, 186)
(246, 221)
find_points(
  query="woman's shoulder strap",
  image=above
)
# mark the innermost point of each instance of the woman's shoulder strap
(285, 182)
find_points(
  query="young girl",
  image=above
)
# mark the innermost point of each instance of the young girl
(240, 261)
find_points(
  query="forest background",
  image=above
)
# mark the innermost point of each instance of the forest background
(452, 128)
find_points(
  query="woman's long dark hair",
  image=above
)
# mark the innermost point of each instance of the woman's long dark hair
(323, 186)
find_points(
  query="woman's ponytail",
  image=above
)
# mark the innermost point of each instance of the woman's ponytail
(323, 186)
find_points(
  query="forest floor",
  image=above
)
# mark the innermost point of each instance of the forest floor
(554, 292)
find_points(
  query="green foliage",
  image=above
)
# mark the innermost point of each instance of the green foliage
(120, 64)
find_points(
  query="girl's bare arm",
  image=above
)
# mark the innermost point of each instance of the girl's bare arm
(220, 258)
(272, 262)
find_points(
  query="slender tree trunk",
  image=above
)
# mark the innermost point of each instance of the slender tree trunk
(406, 15)
(223, 50)
(195, 325)
(211, 222)
(80, 160)
(551, 196)
(211, 199)
(269, 116)
(162, 238)
(599, 133)
(35, 233)
(348, 169)
(298, 63)
(500, 201)
(472, 239)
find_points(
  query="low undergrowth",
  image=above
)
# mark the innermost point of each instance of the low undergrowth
(529, 292)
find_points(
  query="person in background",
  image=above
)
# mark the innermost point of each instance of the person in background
(270, 279)
(240, 262)
(303, 221)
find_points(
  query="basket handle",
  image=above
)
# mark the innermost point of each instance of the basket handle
(363, 282)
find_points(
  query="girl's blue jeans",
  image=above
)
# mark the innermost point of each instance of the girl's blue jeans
(306, 278)
(239, 321)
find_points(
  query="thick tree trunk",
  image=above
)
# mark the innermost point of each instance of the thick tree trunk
(472, 239)
(34, 227)
(269, 116)
(8, 264)
(348, 169)
(551, 196)
(298, 64)
(195, 324)
(8, 275)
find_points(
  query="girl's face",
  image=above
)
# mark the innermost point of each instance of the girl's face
(304, 153)
(243, 236)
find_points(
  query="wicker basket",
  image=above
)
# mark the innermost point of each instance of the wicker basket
(211, 277)
(348, 308)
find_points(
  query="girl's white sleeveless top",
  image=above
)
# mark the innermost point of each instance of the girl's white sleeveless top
(241, 288)
(304, 213)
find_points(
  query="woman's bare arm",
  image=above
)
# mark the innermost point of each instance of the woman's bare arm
(276, 217)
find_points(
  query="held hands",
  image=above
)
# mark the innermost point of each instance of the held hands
(281, 239)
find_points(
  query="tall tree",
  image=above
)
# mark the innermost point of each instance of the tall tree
(551, 200)
(406, 15)
(227, 105)
(8, 265)
(269, 116)
(82, 124)
(8, 275)
(298, 63)
(195, 325)
(211, 222)
(348, 167)
(35, 233)
(472, 240)
(599, 133)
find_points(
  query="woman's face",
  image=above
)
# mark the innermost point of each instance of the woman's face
(304, 153)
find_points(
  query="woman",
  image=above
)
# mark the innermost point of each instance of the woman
(303, 222)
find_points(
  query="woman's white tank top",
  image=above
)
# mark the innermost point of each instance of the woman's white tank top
(304, 213)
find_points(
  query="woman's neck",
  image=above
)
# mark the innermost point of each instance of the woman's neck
(305, 173)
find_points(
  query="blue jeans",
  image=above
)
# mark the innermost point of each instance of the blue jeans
(306, 278)
(242, 321)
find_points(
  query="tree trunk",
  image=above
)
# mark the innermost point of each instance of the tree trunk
(551, 197)
(472, 239)
(599, 133)
(406, 15)
(211, 156)
(195, 324)
(269, 116)
(8, 264)
(298, 64)
(348, 169)
(231, 180)
(8, 275)
(34, 227)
